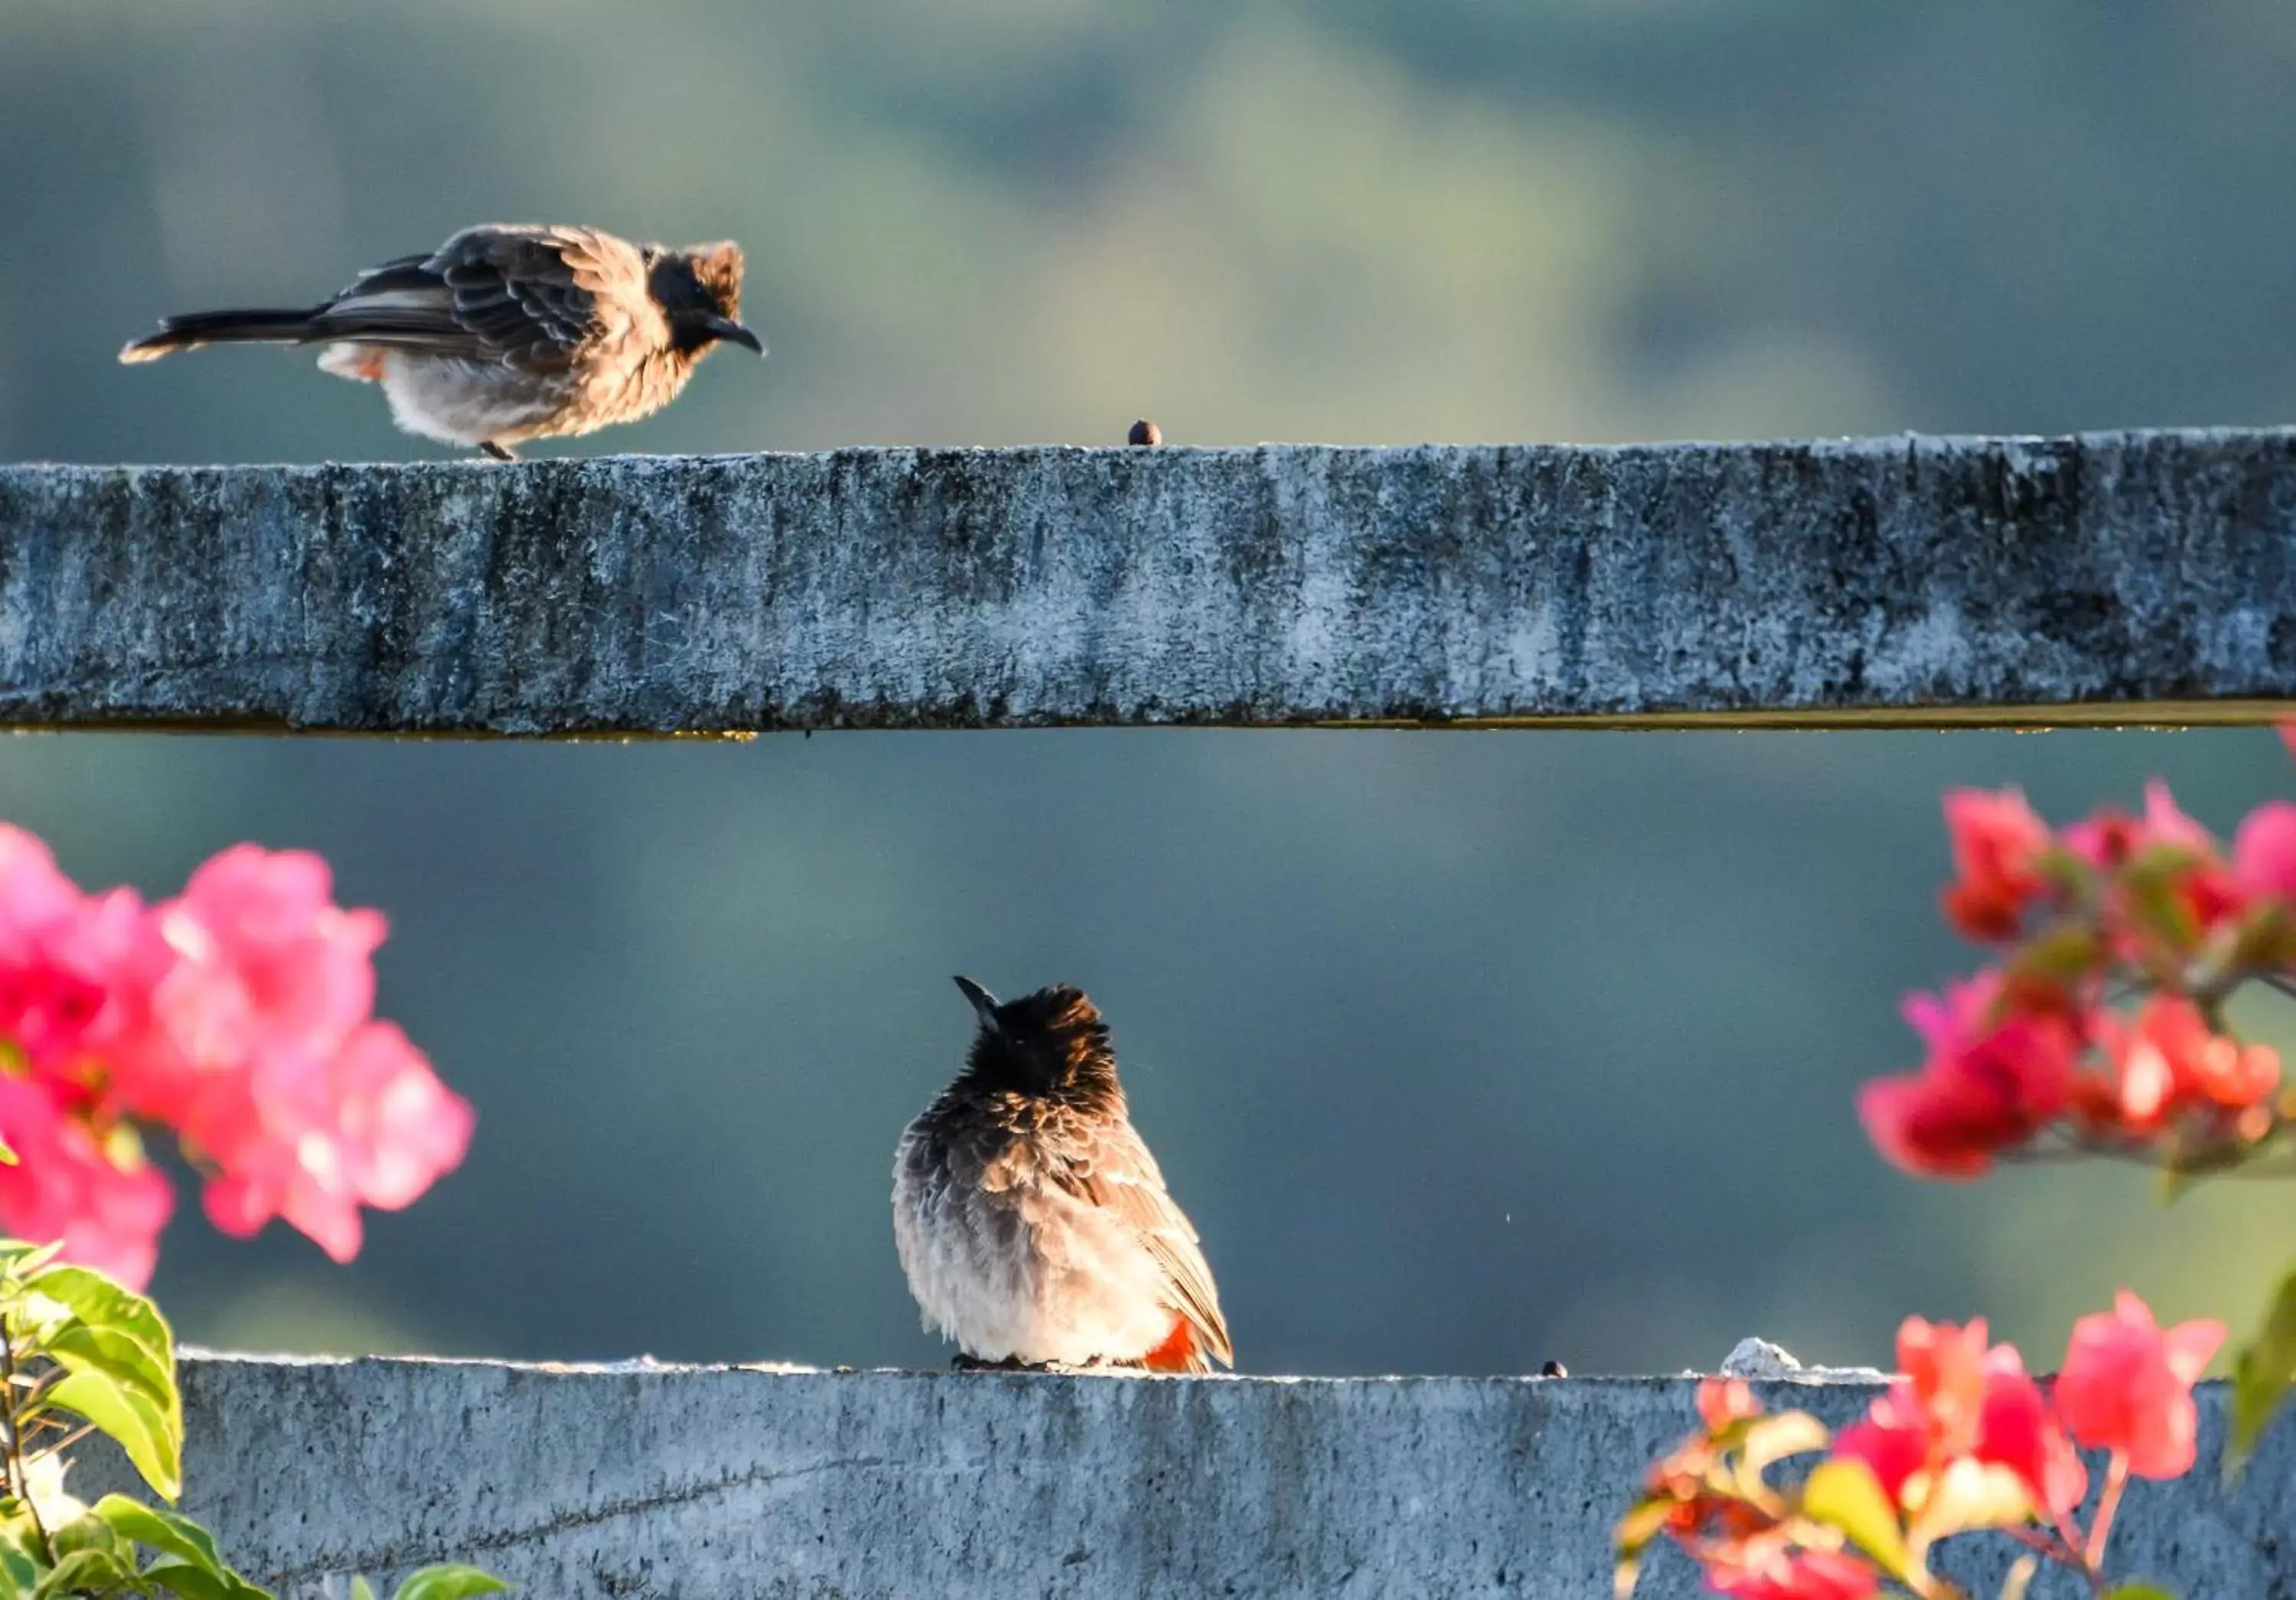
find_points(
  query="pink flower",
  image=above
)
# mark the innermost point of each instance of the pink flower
(261, 1051)
(1957, 1398)
(2127, 1385)
(1997, 842)
(270, 964)
(236, 1015)
(103, 1199)
(58, 952)
(2166, 823)
(1722, 1401)
(1985, 1087)
(2264, 851)
(375, 1127)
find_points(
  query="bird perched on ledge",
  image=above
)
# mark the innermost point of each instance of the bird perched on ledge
(508, 333)
(1032, 1223)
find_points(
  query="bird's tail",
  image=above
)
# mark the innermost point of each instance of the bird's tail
(223, 327)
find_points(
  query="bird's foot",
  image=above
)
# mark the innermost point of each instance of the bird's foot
(962, 1362)
(498, 452)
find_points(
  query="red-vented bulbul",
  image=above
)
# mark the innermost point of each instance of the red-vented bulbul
(1032, 1223)
(508, 333)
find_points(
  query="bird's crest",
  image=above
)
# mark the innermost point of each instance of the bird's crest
(1052, 1042)
(718, 268)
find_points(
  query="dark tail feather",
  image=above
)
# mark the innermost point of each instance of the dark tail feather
(222, 327)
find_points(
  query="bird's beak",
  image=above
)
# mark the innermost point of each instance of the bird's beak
(733, 333)
(984, 1004)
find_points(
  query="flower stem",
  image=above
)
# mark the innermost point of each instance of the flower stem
(17, 1479)
(2116, 1479)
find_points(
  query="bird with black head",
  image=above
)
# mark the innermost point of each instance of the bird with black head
(1032, 1223)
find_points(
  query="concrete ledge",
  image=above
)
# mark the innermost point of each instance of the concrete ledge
(730, 1484)
(2111, 578)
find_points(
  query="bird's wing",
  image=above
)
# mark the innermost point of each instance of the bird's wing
(530, 298)
(1117, 1172)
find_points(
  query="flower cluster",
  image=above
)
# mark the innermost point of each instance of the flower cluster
(2044, 1045)
(1964, 1438)
(236, 1015)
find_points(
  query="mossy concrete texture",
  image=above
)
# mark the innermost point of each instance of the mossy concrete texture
(716, 1484)
(2105, 578)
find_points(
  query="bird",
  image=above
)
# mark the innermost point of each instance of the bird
(507, 331)
(1032, 1223)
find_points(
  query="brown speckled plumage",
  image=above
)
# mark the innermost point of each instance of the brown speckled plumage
(508, 333)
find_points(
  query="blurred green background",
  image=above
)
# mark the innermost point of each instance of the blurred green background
(1465, 1050)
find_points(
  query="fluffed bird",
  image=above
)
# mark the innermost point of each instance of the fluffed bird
(507, 331)
(1032, 1223)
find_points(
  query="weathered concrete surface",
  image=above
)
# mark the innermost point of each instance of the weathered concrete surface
(718, 1484)
(2124, 576)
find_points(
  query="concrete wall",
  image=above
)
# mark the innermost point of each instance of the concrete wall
(2112, 578)
(729, 1484)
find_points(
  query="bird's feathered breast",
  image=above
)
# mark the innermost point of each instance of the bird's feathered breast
(1005, 1145)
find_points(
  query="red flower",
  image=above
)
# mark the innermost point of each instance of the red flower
(2017, 1430)
(2127, 1385)
(1997, 841)
(2173, 1059)
(1769, 1570)
(1985, 1087)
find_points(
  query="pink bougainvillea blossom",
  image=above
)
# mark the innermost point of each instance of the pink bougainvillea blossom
(2127, 1385)
(237, 1016)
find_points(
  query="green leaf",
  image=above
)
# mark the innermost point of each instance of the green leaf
(1844, 1493)
(166, 1531)
(191, 1582)
(7, 1155)
(361, 1590)
(2171, 1184)
(2261, 1374)
(101, 1304)
(452, 1581)
(122, 1358)
(2139, 1591)
(133, 1420)
(88, 1573)
(90, 1532)
(20, 1574)
(2060, 953)
(20, 1258)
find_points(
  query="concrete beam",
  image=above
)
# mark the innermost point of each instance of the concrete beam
(2143, 577)
(714, 1483)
